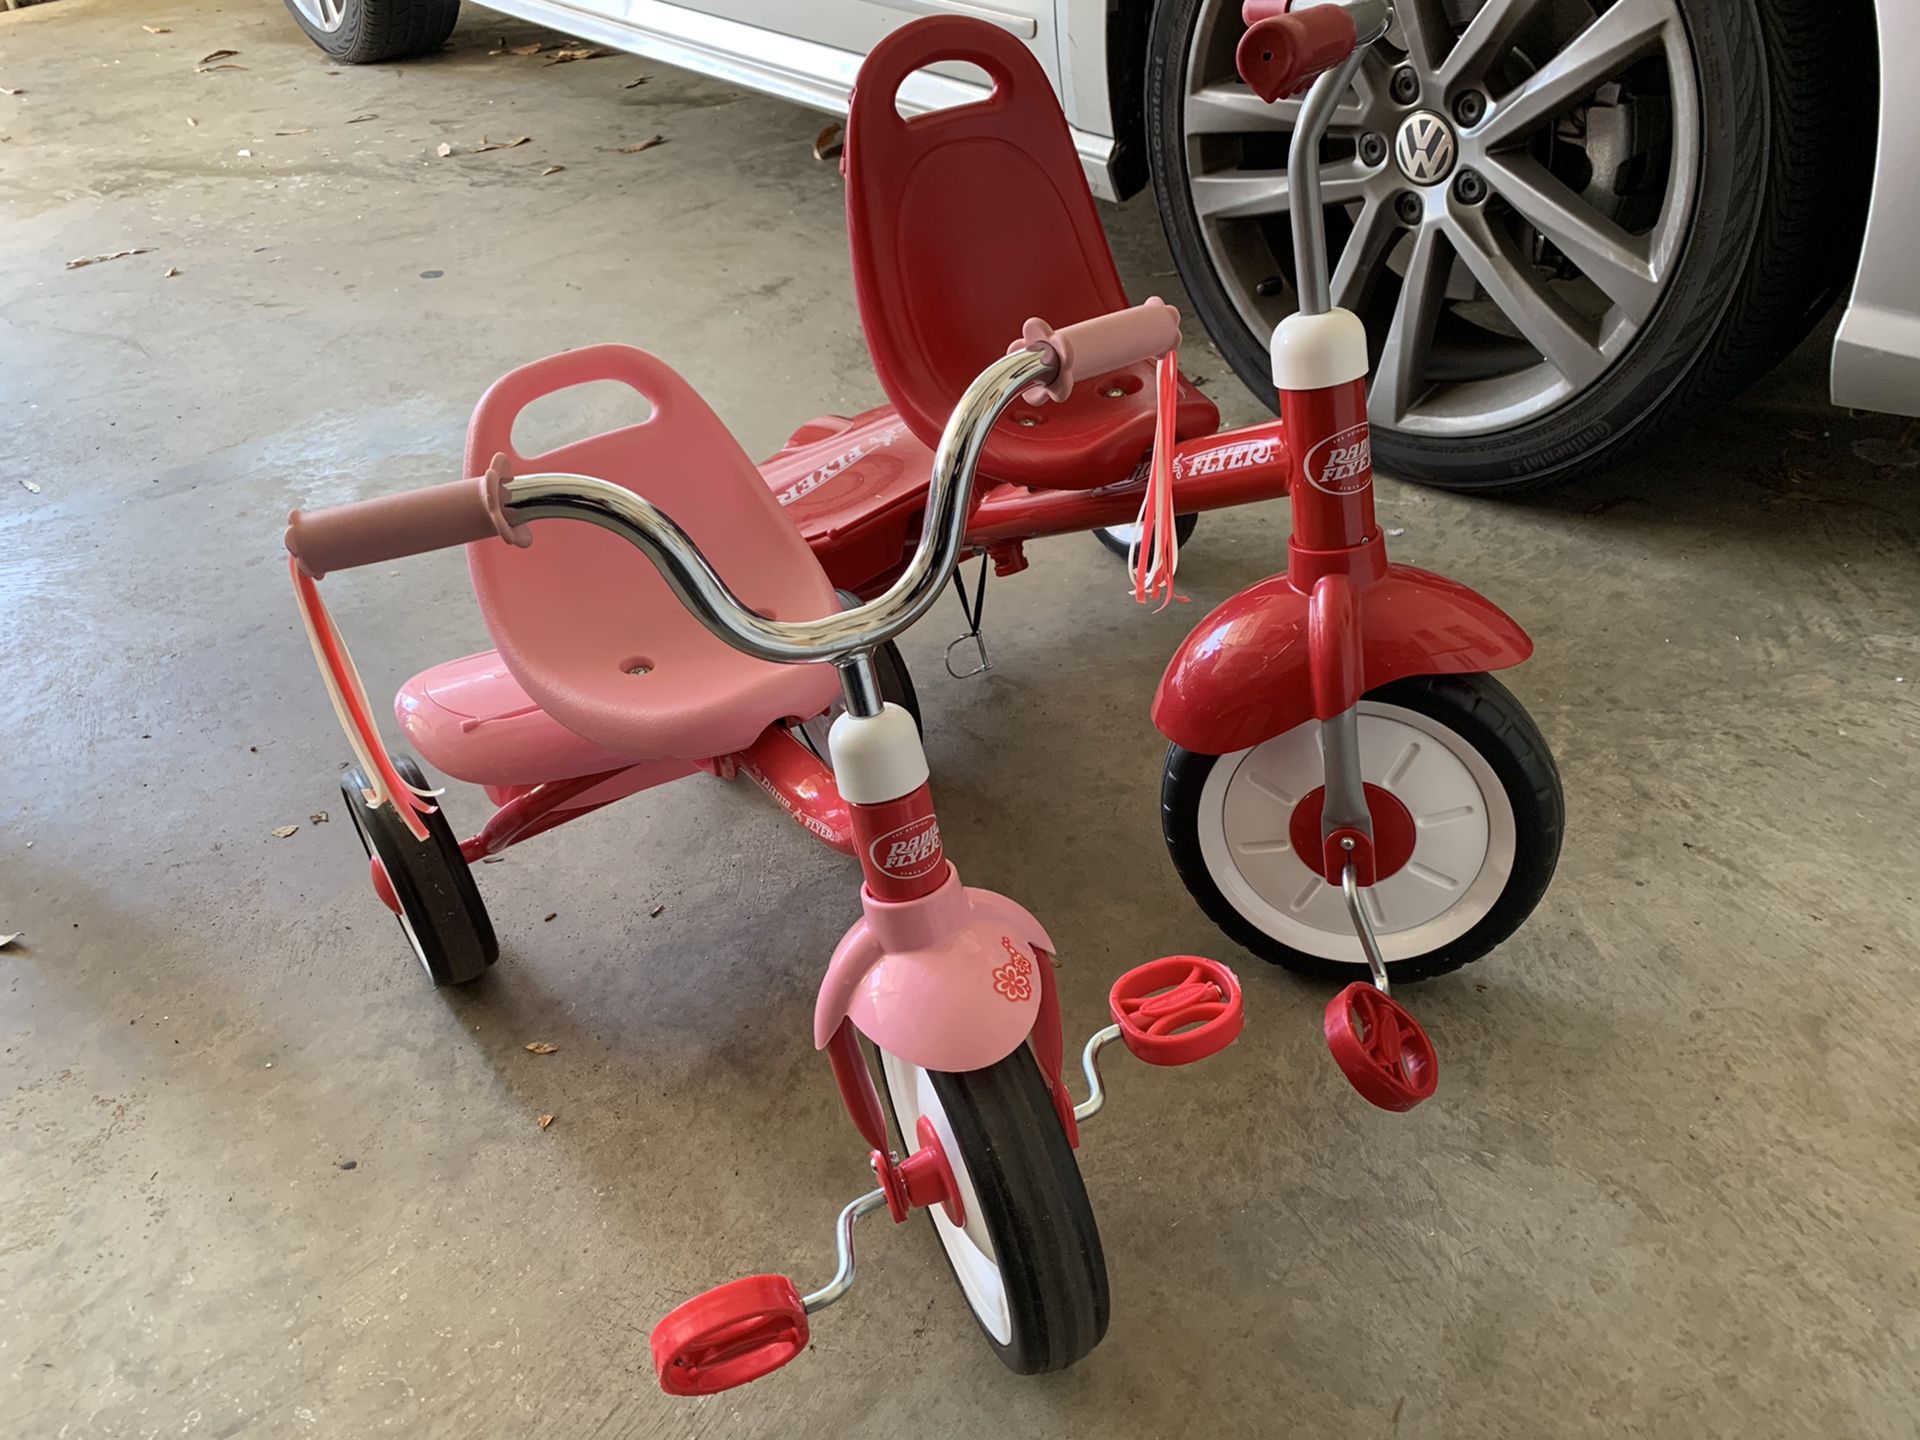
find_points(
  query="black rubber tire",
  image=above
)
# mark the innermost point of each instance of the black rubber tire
(1775, 234)
(1483, 712)
(451, 934)
(376, 30)
(1035, 1208)
(896, 682)
(1183, 528)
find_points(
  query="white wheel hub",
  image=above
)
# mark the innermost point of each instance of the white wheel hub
(968, 1246)
(1463, 849)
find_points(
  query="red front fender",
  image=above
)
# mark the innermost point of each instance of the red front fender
(1246, 674)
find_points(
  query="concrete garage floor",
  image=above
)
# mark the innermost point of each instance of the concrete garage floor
(1668, 1188)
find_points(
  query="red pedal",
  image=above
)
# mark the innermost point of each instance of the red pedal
(1381, 1048)
(1177, 1009)
(732, 1334)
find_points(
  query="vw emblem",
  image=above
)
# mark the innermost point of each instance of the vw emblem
(1425, 148)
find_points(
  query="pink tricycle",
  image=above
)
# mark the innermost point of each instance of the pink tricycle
(633, 632)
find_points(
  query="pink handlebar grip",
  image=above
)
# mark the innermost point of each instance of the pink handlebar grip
(366, 532)
(1102, 344)
(1283, 50)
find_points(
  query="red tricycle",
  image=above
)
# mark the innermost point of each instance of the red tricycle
(964, 224)
(1347, 785)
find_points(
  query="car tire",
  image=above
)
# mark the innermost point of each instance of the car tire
(1770, 238)
(365, 32)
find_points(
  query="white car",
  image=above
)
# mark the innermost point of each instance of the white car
(1647, 202)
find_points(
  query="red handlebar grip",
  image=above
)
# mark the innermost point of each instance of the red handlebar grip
(366, 532)
(1104, 343)
(1282, 52)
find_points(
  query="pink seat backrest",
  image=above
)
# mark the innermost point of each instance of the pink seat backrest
(964, 222)
(579, 598)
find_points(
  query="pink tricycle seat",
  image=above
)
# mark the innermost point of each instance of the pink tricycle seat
(584, 622)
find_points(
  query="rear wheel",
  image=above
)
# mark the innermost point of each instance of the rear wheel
(441, 912)
(1121, 539)
(1028, 1258)
(362, 32)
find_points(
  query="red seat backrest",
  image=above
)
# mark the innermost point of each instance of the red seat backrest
(964, 222)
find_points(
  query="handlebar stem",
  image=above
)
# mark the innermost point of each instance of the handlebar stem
(1308, 216)
(847, 633)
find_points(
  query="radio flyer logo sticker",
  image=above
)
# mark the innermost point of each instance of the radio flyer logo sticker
(1341, 464)
(910, 851)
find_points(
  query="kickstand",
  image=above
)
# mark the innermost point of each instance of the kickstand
(973, 613)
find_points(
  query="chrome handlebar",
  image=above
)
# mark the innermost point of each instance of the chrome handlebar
(1371, 20)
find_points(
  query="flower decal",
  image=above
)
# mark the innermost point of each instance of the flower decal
(1014, 980)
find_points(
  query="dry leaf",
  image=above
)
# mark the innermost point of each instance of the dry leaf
(646, 144)
(5, 91)
(170, 272)
(533, 49)
(110, 255)
(637, 80)
(827, 143)
(541, 1047)
(545, 1120)
(156, 29)
(6, 940)
(656, 912)
(370, 115)
(33, 486)
(319, 817)
(281, 832)
(552, 915)
(583, 52)
(486, 144)
(553, 170)
(443, 150)
(216, 55)
(307, 131)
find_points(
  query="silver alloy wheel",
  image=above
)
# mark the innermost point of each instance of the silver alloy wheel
(1505, 225)
(327, 15)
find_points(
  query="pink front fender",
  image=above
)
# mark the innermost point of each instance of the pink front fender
(948, 982)
(1245, 674)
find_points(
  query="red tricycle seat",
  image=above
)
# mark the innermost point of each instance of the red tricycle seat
(584, 621)
(966, 222)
